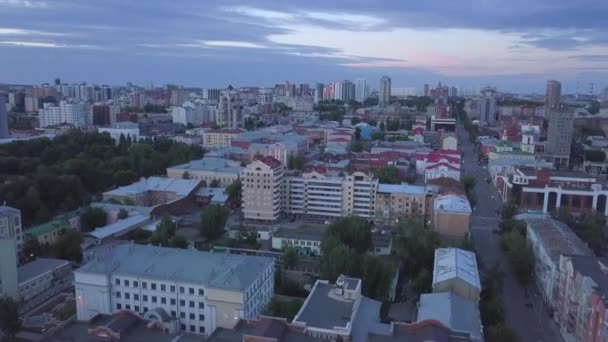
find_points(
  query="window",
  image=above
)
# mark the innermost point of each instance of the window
(145, 298)
(201, 330)
(135, 283)
(172, 288)
(201, 317)
(153, 299)
(172, 301)
(201, 305)
(191, 304)
(135, 296)
(128, 307)
(191, 291)
(153, 286)
(182, 314)
(117, 281)
(173, 313)
(182, 302)
(144, 285)
(136, 308)
(192, 316)
(126, 283)
(181, 289)
(117, 294)
(163, 287)
(127, 295)
(183, 326)
(118, 306)
(145, 309)
(192, 328)
(163, 300)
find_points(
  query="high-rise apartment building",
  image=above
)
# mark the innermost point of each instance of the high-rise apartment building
(384, 94)
(487, 106)
(427, 89)
(211, 94)
(318, 92)
(361, 90)
(263, 191)
(229, 109)
(4, 133)
(75, 113)
(344, 91)
(559, 135)
(554, 93)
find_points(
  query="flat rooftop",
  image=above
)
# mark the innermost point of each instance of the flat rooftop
(181, 187)
(454, 311)
(402, 189)
(211, 164)
(38, 267)
(301, 233)
(214, 270)
(556, 237)
(325, 309)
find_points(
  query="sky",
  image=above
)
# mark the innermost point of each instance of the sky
(515, 45)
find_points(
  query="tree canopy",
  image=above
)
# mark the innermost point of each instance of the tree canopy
(68, 247)
(213, 219)
(92, 218)
(388, 174)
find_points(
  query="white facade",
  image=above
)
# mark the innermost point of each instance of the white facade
(76, 113)
(193, 113)
(230, 109)
(127, 129)
(217, 293)
(262, 190)
(487, 106)
(441, 170)
(361, 90)
(10, 225)
(220, 138)
(384, 94)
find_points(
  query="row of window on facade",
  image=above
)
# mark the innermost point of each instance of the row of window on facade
(163, 300)
(192, 328)
(154, 287)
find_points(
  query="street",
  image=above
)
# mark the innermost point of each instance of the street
(523, 313)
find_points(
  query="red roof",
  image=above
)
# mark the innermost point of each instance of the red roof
(449, 166)
(339, 140)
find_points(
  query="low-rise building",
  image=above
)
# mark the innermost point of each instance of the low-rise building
(220, 137)
(225, 171)
(153, 191)
(43, 277)
(451, 216)
(48, 233)
(198, 291)
(455, 270)
(126, 130)
(396, 202)
(457, 313)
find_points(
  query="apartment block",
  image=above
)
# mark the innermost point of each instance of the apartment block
(263, 190)
(176, 289)
(220, 137)
(396, 202)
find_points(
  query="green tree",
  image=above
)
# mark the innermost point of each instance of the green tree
(354, 232)
(290, 256)
(377, 136)
(357, 133)
(165, 231)
(500, 333)
(186, 175)
(9, 316)
(469, 183)
(31, 247)
(295, 162)
(234, 192)
(520, 254)
(68, 247)
(382, 127)
(388, 174)
(355, 146)
(122, 214)
(595, 156)
(213, 219)
(178, 241)
(215, 183)
(415, 246)
(92, 218)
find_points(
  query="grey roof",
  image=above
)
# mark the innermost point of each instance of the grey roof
(37, 268)
(131, 209)
(218, 195)
(589, 266)
(5, 209)
(215, 270)
(324, 310)
(402, 189)
(454, 311)
(555, 236)
(211, 164)
(181, 187)
(119, 227)
(301, 233)
(451, 263)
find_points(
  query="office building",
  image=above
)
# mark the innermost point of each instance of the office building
(10, 225)
(211, 94)
(553, 95)
(487, 107)
(187, 290)
(193, 113)
(4, 133)
(262, 190)
(559, 135)
(344, 91)
(384, 93)
(361, 90)
(229, 109)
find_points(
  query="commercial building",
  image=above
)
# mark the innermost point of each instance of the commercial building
(220, 137)
(545, 190)
(344, 91)
(262, 190)
(451, 216)
(550, 239)
(396, 202)
(187, 290)
(455, 270)
(10, 225)
(229, 109)
(384, 92)
(318, 92)
(553, 95)
(153, 191)
(209, 169)
(487, 106)
(559, 135)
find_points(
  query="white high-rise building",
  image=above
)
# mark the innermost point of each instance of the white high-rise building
(384, 94)
(361, 90)
(487, 106)
(229, 109)
(75, 113)
(193, 113)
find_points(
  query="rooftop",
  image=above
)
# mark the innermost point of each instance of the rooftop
(453, 263)
(556, 237)
(37, 268)
(181, 187)
(452, 203)
(402, 189)
(41, 229)
(4, 209)
(120, 226)
(589, 266)
(301, 233)
(214, 270)
(218, 195)
(455, 312)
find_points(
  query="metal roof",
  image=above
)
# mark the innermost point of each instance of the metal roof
(214, 270)
(402, 189)
(452, 203)
(454, 311)
(452, 263)
(119, 227)
(181, 187)
(37, 268)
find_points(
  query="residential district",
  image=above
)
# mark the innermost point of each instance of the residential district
(333, 212)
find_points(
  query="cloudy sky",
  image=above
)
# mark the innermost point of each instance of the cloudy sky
(516, 45)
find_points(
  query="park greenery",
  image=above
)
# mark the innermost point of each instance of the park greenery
(92, 218)
(388, 174)
(515, 245)
(296, 162)
(283, 308)
(213, 219)
(44, 177)
(344, 251)
(355, 146)
(164, 235)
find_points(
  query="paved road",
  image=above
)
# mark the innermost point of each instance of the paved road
(523, 312)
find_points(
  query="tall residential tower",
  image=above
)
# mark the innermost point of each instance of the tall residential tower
(384, 95)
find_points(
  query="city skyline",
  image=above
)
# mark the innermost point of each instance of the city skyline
(515, 46)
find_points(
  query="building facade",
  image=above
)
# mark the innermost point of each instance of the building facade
(487, 106)
(220, 137)
(159, 282)
(559, 135)
(384, 92)
(229, 109)
(10, 225)
(451, 216)
(553, 94)
(396, 202)
(262, 190)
